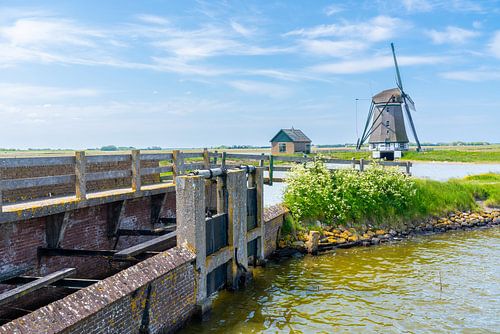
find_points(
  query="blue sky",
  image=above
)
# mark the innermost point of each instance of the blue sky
(78, 74)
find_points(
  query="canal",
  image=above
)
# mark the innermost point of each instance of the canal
(440, 283)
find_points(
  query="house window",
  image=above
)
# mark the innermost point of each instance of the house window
(282, 147)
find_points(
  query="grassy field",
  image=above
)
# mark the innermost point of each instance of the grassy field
(479, 154)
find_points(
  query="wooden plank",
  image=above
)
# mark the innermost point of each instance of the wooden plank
(293, 159)
(282, 168)
(114, 174)
(136, 171)
(67, 283)
(157, 243)
(39, 161)
(11, 295)
(99, 159)
(340, 161)
(193, 166)
(68, 252)
(81, 180)
(154, 232)
(247, 156)
(36, 182)
(156, 156)
(192, 154)
(156, 170)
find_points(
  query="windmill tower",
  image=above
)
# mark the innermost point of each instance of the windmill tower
(385, 126)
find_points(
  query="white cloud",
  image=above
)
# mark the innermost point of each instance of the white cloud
(333, 9)
(417, 5)
(36, 94)
(333, 48)
(379, 28)
(242, 30)
(494, 45)
(152, 19)
(374, 64)
(452, 35)
(261, 88)
(475, 75)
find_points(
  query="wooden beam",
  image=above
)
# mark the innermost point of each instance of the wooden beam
(80, 170)
(154, 232)
(164, 242)
(46, 251)
(136, 170)
(68, 283)
(14, 294)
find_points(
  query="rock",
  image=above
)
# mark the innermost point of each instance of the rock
(393, 233)
(341, 241)
(380, 232)
(353, 238)
(312, 242)
(299, 244)
(375, 241)
(366, 243)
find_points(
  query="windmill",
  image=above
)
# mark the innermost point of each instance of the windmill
(387, 133)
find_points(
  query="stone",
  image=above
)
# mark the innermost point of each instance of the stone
(312, 242)
(375, 241)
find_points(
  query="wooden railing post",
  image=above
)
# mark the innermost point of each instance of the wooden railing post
(0, 191)
(136, 170)
(408, 165)
(80, 177)
(361, 165)
(206, 159)
(223, 162)
(353, 163)
(261, 161)
(215, 158)
(271, 168)
(178, 160)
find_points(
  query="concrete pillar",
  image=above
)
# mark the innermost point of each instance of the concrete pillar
(80, 181)
(136, 170)
(191, 226)
(237, 226)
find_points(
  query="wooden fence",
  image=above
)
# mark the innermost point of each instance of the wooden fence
(169, 165)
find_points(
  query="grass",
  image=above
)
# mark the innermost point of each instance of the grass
(492, 155)
(382, 197)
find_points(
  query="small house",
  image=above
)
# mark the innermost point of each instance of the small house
(289, 141)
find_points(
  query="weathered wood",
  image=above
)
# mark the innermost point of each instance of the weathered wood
(69, 252)
(353, 163)
(1, 190)
(192, 155)
(361, 165)
(136, 170)
(164, 242)
(293, 159)
(339, 161)
(244, 156)
(408, 166)
(178, 167)
(193, 166)
(261, 160)
(206, 159)
(154, 232)
(221, 194)
(99, 159)
(156, 170)
(67, 283)
(223, 160)
(282, 168)
(36, 182)
(114, 174)
(38, 161)
(156, 156)
(14, 294)
(80, 181)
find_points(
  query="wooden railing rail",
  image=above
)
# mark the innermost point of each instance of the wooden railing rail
(177, 163)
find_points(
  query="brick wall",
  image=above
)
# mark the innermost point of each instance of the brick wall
(69, 189)
(158, 293)
(85, 228)
(273, 220)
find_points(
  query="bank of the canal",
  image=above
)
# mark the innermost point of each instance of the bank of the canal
(447, 282)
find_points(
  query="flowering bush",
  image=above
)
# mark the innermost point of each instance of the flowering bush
(315, 193)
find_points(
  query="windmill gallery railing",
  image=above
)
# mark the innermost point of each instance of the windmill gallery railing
(83, 177)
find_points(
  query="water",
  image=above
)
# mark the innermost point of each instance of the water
(448, 283)
(435, 171)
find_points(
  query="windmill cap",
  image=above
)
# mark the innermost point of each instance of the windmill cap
(385, 95)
